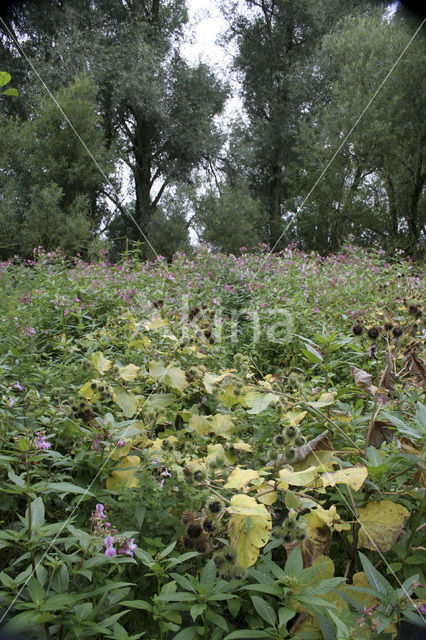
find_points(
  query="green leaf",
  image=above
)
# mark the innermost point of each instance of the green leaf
(10, 92)
(61, 601)
(165, 552)
(208, 574)
(37, 513)
(421, 415)
(401, 426)
(196, 610)
(61, 579)
(36, 590)
(127, 402)
(294, 564)
(245, 635)
(374, 577)
(312, 354)
(284, 615)
(177, 597)
(137, 604)
(186, 634)
(218, 620)
(291, 500)
(258, 402)
(63, 488)
(5, 77)
(264, 609)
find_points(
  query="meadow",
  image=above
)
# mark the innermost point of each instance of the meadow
(216, 447)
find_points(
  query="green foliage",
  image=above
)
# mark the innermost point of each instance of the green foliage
(50, 181)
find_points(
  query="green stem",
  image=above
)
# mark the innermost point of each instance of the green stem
(416, 521)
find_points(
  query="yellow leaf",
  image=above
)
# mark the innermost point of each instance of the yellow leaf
(240, 477)
(128, 373)
(381, 524)
(342, 416)
(123, 475)
(200, 424)
(324, 400)
(268, 498)
(294, 417)
(297, 478)
(222, 425)
(173, 376)
(141, 343)
(249, 528)
(211, 380)
(352, 476)
(242, 446)
(157, 323)
(88, 393)
(101, 363)
(228, 396)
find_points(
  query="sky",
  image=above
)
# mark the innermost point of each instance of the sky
(206, 24)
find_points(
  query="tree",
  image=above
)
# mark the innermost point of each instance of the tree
(157, 110)
(275, 38)
(49, 184)
(375, 187)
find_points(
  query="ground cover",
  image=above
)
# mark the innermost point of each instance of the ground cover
(219, 447)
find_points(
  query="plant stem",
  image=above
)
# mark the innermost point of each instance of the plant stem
(416, 521)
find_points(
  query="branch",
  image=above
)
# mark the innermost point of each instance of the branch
(160, 193)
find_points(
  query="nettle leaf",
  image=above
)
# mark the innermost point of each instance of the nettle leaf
(258, 402)
(249, 528)
(240, 477)
(123, 476)
(100, 363)
(352, 476)
(381, 524)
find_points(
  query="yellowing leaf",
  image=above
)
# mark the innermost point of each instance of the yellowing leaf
(157, 323)
(258, 402)
(140, 343)
(268, 498)
(210, 380)
(324, 400)
(297, 478)
(128, 373)
(172, 376)
(249, 528)
(242, 446)
(352, 476)
(200, 424)
(222, 425)
(88, 393)
(240, 477)
(294, 417)
(127, 402)
(381, 523)
(123, 474)
(101, 363)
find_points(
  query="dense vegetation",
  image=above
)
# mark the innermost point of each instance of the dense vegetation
(221, 447)
(329, 141)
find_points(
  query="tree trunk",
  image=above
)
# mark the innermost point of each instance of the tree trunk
(275, 223)
(142, 175)
(414, 200)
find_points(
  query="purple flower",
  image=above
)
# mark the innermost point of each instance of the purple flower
(100, 510)
(11, 402)
(121, 443)
(422, 608)
(41, 442)
(18, 386)
(110, 551)
(96, 443)
(128, 548)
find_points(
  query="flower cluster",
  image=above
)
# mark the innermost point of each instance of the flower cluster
(104, 530)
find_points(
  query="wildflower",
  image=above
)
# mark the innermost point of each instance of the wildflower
(41, 442)
(128, 548)
(121, 443)
(110, 551)
(96, 443)
(100, 511)
(11, 402)
(18, 386)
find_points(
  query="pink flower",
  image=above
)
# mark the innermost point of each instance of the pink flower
(11, 402)
(121, 443)
(128, 548)
(110, 551)
(96, 443)
(100, 510)
(18, 386)
(41, 442)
